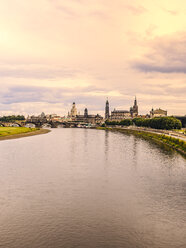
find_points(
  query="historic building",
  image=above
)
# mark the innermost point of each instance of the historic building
(134, 109)
(158, 113)
(73, 112)
(85, 118)
(37, 119)
(118, 115)
(107, 113)
(92, 119)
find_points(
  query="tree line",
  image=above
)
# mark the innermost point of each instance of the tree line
(166, 123)
(12, 118)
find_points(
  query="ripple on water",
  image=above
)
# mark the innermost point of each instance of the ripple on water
(91, 188)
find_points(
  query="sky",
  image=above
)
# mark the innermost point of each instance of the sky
(55, 52)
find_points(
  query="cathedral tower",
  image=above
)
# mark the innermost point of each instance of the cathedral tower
(86, 113)
(107, 113)
(134, 109)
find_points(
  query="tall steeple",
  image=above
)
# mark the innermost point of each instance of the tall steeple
(135, 101)
(86, 113)
(107, 112)
(135, 107)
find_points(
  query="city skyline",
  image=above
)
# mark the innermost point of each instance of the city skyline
(108, 108)
(54, 52)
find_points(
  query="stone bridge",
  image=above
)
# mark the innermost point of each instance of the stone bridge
(52, 124)
(45, 124)
(12, 124)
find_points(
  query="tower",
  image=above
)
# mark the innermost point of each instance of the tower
(86, 113)
(107, 114)
(152, 113)
(73, 110)
(134, 109)
(135, 101)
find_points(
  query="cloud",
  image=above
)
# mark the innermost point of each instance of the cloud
(37, 72)
(65, 9)
(162, 69)
(172, 12)
(92, 97)
(137, 10)
(79, 8)
(20, 94)
(80, 50)
(33, 100)
(167, 55)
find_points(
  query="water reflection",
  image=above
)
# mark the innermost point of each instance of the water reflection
(90, 188)
(106, 145)
(134, 150)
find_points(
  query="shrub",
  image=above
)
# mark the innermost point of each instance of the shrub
(124, 122)
(11, 118)
(167, 123)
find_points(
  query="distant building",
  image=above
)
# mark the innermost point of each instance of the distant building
(86, 113)
(50, 117)
(57, 118)
(107, 113)
(42, 115)
(118, 115)
(134, 109)
(37, 119)
(158, 113)
(73, 112)
(92, 119)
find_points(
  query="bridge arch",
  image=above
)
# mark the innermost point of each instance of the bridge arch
(15, 124)
(31, 125)
(61, 125)
(46, 125)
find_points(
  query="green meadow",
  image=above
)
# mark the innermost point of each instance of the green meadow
(6, 131)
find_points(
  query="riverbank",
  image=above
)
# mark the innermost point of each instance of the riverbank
(19, 132)
(175, 143)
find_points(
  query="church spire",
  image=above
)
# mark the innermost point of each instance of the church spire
(135, 101)
(134, 109)
(107, 113)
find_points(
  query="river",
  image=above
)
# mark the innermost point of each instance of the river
(83, 188)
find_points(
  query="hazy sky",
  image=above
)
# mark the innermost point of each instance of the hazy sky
(54, 52)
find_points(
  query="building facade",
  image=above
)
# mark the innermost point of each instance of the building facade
(91, 119)
(118, 115)
(158, 113)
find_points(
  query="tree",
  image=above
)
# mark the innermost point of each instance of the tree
(167, 123)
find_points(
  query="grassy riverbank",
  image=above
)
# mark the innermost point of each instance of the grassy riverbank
(174, 143)
(19, 132)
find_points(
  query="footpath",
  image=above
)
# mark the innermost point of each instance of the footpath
(170, 133)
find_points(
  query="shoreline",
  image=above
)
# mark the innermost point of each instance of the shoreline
(171, 142)
(26, 134)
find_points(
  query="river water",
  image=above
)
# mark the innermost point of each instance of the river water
(82, 188)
